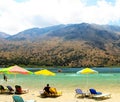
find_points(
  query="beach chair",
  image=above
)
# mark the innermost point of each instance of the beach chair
(102, 96)
(11, 90)
(17, 98)
(2, 89)
(94, 92)
(79, 93)
(99, 95)
(54, 92)
(19, 90)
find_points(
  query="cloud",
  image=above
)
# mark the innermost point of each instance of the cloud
(39, 21)
(18, 15)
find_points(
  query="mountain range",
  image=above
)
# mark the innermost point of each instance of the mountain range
(70, 39)
(83, 31)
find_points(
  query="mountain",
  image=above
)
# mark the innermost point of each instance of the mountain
(33, 33)
(86, 32)
(72, 45)
(92, 34)
(83, 31)
(4, 35)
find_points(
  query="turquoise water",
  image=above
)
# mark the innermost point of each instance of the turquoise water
(105, 79)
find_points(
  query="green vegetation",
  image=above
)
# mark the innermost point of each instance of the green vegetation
(56, 52)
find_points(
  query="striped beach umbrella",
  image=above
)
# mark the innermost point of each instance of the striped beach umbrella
(15, 70)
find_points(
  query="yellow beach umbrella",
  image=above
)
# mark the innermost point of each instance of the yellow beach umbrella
(44, 72)
(87, 71)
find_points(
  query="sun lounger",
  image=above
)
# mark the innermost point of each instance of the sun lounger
(102, 96)
(99, 95)
(2, 89)
(79, 93)
(11, 90)
(19, 90)
(17, 98)
(94, 92)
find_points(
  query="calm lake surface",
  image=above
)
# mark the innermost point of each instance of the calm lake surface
(68, 79)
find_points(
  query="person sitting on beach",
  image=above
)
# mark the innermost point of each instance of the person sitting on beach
(46, 89)
(50, 91)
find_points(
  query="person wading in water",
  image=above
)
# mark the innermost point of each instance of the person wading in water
(5, 77)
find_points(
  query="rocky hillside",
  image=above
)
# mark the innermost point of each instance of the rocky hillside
(73, 45)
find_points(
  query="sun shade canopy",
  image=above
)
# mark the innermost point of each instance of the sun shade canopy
(44, 72)
(15, 70)
(87, 71)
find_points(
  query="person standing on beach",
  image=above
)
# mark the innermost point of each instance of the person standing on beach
(5, 77)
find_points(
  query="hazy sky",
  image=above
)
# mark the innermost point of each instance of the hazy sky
(18, 15)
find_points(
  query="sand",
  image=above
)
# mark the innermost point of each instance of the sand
(107, 83)
(67, 96)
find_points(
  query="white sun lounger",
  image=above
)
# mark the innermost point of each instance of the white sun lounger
(102, 96)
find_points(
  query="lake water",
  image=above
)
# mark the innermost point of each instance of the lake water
(74, 70)
(107, 78)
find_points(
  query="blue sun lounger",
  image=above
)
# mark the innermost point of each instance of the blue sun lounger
(93, 91)
(79, 93)
(99, 95)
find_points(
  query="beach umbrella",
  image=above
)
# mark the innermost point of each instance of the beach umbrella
(19, 70)
(44, 72)
(15, 70)
(87, 71)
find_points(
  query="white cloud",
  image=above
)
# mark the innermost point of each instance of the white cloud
(17, 16)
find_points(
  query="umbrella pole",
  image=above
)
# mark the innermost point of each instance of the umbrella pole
(15, 78)
(87, 83)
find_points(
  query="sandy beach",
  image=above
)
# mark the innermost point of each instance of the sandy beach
(67, 83)
(67, 96)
